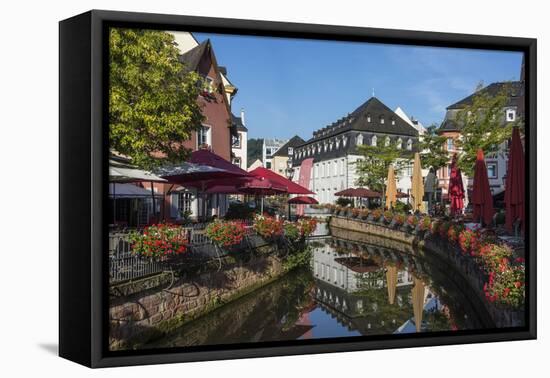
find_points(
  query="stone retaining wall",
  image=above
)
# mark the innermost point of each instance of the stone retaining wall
(150, 313)
(502, 317)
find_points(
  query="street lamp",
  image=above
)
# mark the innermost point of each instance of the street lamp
(289, 173)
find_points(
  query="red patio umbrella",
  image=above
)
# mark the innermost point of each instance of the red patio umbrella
(482, 198)
(291, 186)
(514, 196)
(261, 187)
(303, 200)
(456, 188)
(366, 193)
(349, 192)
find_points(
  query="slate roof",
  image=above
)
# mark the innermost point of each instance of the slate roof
(192, 58)
(238, 123)
(358, 120)
(294, 142)
(515, 99)
(516, 92)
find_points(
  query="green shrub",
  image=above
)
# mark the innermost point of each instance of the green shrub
(239, 211)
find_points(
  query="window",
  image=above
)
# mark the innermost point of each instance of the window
(510, 115)
(268, 164)
(393, 121)
(359, 139)
(236, 141)
(373, 141)
(342, 165)
(237, 161)
(368, 117)
(382, 120)
(399, 143)
(290, 151)
(204, 137)
(492, 170)
(208, 84)
(185, 199)
(409, 144)
(387, 141)
(450, 144)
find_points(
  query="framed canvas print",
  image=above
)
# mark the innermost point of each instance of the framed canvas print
(234, 188)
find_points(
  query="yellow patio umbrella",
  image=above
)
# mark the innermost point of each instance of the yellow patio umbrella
(418, 291)
(391, 188)
(417, 189)
(391, 278)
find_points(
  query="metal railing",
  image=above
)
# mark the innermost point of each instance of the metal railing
(125, 266)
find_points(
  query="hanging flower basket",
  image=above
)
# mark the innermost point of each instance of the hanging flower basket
(159, 242)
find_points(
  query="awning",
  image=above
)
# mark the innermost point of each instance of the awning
(128, 191)
(123, 173)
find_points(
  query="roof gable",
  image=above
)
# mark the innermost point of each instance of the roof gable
(294, 142)
(515, 93)
(373, 116)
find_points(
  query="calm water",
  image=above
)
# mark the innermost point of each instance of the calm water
(350, 289)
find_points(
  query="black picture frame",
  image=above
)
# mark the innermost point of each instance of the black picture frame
(83, 186)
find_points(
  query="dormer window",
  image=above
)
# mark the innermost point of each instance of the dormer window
(382, 120)
(393, 121)
(368, 117)
(290, 151)
(373, 141)
(510, 115)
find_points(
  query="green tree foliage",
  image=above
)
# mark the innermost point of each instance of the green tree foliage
(483, 126)
(373, 166)
(254, 149)
(432, 151)
(153, 105)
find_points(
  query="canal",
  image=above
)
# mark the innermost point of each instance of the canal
(349, 289)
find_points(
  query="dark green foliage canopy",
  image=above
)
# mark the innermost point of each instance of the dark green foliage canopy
(153, 105)
(483, 126)
(373, 167)
(432, 151)
(254, 149)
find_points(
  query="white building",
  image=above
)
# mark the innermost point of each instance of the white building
(269, 147)
(334, 148)
(239, 144)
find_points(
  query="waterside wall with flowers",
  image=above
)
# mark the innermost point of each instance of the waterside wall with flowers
(494, 271)
(247, 258)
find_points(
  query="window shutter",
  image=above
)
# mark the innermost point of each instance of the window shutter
(174, 197)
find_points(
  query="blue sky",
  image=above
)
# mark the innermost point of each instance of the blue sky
(295, 86)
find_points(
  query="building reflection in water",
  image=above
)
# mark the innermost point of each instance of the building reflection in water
(351, 289)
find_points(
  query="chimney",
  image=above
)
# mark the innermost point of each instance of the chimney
(242, 117)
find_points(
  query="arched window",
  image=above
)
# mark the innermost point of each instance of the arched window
(387, 141)
(359, 139)
(399, 143)
(409, 144)
(373, 141)
(344, 141)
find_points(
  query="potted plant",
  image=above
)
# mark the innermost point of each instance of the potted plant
(225, 234)
(268, 227)
(159, 242)
(388, 216)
